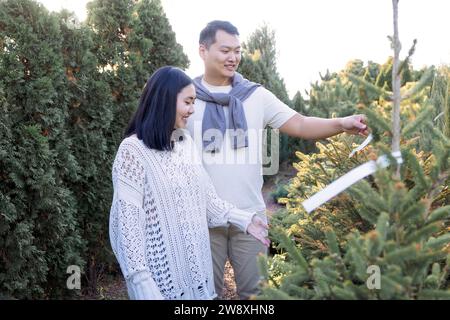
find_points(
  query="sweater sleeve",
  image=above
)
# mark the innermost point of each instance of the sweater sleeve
(126, 230)
(219, 212)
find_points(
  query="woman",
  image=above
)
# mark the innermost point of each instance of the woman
(164, 201)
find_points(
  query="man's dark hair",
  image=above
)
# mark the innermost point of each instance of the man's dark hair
(154, 119)
(208, 34)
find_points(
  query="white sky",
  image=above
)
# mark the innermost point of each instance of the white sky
(312, 35)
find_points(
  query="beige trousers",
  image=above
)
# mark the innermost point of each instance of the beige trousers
(242, 251)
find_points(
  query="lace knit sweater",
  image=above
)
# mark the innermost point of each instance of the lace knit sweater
(162, 206)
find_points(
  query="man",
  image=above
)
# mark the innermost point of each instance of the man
(230, 114)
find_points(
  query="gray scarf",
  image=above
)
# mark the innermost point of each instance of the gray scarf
(214, 116)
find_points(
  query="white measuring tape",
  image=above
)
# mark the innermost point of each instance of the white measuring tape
(350, 177)
(361, 146)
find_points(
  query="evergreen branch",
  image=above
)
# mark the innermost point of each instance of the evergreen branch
(423, 232)
(424, 81)
(367, 215)
(445, 272)
(343, 294)
(419, 175)
(439, 214)
(419, 274)
(337, 153)
(382, 225)
(326, 174)
(296, 278)
(322, 283)
(376, 238)
(293, 251)
(446, 105)
(400, 255)
(276, 294)
(377, 121)
(438, 134)
(390, 286)
(360, 291)
(332, 242)
(410, 53)
(356, 259)
(440, 170)
(370, 197)
(413, 195)
(419, 121)
(429, 257)
(413, 213)
(438, 183)
(437, 243)
(327, 267)
(428, 294)
(302, 293)
(262, 264)
(370, 87)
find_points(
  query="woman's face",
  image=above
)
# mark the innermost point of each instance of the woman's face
(185, 105)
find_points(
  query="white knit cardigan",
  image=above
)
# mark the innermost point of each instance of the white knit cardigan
(162, 206)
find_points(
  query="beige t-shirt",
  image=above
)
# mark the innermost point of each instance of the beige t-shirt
(237, 174)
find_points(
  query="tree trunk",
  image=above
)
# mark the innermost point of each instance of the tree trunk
(396, 81)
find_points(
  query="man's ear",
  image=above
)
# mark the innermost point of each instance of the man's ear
(202, 51)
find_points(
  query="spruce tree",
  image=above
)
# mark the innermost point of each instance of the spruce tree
(397, 225)
(391, 240)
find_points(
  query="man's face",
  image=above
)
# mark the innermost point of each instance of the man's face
(223, 56)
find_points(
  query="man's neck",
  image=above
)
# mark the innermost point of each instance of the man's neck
(216, 81)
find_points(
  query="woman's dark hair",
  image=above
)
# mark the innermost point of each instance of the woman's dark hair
(154, 119)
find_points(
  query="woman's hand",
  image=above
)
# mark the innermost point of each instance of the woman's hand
(258, 228)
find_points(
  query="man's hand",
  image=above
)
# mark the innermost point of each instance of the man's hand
(258, 228)
(355, 124)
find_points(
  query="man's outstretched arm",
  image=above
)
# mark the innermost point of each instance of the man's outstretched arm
(320, 128)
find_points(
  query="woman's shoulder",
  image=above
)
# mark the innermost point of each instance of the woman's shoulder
(182, 138)
(131, 145)
(132, 141)
(129, 158)
(133, 138)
